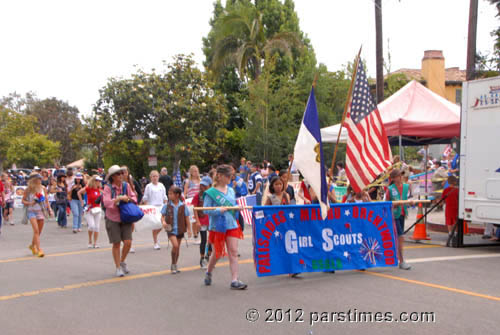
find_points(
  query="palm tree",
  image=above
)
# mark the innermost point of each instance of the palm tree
(241, 42)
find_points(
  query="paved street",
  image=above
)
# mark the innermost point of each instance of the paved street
(73, 291)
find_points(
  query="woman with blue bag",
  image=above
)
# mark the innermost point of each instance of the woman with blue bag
(224, 230)
(117, 192)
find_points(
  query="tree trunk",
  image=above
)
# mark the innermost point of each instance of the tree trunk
(471, 41)
(379, 51)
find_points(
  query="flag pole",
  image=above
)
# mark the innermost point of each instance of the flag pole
(315, 80)
(346, 107)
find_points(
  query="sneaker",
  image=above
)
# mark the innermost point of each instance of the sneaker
(119, 272)
(203, 263)
(40, 254)
(404, 266)
(90, 246)
(124, 267)
(79, 230)
(238, 285)
(96, 246)
(208, 278)
(132, 250)
(74, 231)
(173, 269)
(157, 246)
(11, 223)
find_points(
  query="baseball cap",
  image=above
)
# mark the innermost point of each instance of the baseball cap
(206, 181)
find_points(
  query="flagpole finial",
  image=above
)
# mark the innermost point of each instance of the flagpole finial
(315, 80)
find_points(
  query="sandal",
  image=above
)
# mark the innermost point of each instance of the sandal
(32, 249)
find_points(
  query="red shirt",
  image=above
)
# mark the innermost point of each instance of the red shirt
(451, 201)
(202, 216)
(92, 195)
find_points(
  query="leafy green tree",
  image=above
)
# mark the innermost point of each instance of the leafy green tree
(95, 134)
(132, 153)
(12, 126)
(241, 41)
(276, 106)
(276, 17)
(176, 111)
(59, 121)
(33, 149)
(394, 83)
(54, 118)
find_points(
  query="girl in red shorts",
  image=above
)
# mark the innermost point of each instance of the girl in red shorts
(223, 227)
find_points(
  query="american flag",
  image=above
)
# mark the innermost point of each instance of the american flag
(249, 200)
(178, 179)
(447, 151)
(368, 152)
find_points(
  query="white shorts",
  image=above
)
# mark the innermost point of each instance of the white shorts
(93, 221)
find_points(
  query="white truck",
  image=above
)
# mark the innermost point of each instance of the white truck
(479, 199)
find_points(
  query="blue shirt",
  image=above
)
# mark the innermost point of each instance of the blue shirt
(175, 224)
(244, 170)
(252, 182)
(216, 216)
(241, 188)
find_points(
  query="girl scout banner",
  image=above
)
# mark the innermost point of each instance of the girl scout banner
(294, 239)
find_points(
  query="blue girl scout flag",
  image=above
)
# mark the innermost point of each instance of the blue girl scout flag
(295, 239)
(308, 153)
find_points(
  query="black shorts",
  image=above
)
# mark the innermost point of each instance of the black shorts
(179, 236)
(8, 205)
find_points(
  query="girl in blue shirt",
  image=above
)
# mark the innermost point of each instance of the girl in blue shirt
(224, 230)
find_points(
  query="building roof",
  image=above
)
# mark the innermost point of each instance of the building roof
(452, 74)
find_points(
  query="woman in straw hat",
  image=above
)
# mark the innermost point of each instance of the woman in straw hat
(115, 192)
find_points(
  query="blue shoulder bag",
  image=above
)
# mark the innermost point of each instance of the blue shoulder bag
(129, 212)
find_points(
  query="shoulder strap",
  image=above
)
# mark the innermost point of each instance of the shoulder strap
(124, 188)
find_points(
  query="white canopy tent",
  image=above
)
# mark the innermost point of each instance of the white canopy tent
(330, 134)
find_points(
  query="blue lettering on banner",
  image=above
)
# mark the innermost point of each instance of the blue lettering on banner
(294, 239)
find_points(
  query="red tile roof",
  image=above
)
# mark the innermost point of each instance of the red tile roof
(451, 74)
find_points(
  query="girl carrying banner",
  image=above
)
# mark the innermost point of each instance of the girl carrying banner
(399, 191)
(223, 228)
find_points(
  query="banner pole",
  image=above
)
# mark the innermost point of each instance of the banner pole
(399, 202)
(346, 107)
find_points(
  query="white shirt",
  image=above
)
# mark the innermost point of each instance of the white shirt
(155, 195)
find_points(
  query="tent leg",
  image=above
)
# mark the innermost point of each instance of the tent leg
(401, 148)
(426, 191)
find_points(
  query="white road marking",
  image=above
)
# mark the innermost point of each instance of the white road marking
(449, 258)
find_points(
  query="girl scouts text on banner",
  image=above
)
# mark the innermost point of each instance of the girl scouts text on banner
(294, 239)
